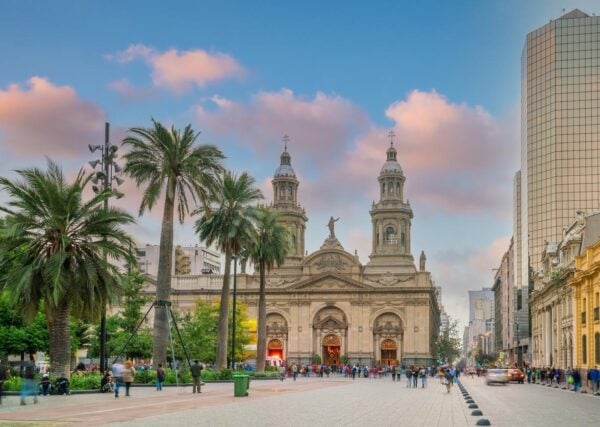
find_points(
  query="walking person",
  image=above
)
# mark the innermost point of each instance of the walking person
(423, 376)
(3, 377)
(27, 382)
(408, 377)
(117, 370)
(160, 377)
(127, 375)
(196, 371)
(595, 377)
(447, 380)
(415, 376)
(282, 372)
(393, 370)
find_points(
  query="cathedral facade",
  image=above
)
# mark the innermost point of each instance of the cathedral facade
(327, 303)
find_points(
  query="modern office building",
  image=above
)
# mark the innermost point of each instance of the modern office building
(481, 319)
(560, 141)
(187, 260)
(504, 309)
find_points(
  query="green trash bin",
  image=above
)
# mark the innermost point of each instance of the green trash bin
(241, 383)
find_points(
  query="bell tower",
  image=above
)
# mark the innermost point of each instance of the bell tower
(391, 218)
(285, 201)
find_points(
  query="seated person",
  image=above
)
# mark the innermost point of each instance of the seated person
(45, 385)
(105, 382)
(62, 384)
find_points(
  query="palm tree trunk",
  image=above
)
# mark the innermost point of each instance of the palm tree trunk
(163, 282)
(223, 329)
(59, 334)
(261, 345)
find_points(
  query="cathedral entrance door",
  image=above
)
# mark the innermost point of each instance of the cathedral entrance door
(275, 349)
(389, 354)
(331, 350)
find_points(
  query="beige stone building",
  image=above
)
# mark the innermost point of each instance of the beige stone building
(327, 302)
(552, 305)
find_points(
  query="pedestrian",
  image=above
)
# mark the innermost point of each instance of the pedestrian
(282, 372)
(447, 380)
(196, 370)
(393, 371)
(354, 372)
(27, 382)
(408, 377)
(4, 374)
(45, 385)
(294, 371)
(423, 376)
(127, 375)
(415, 376)
(160, 377)
(528, 375)
(117, 371)
(576, 380)
(595, 378)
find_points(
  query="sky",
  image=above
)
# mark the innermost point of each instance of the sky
(335, 76)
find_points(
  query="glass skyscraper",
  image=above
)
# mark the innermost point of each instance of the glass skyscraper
(560, 143)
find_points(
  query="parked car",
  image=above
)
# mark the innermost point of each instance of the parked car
(516, 375)
(496, 376)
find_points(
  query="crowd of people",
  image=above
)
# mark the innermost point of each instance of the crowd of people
(570, 378)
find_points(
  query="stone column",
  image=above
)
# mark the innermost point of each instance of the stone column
(548, 337)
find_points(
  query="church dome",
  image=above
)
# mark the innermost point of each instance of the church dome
(391, 165)
(285, 168)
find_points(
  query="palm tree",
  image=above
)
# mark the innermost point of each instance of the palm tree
(59, 251)
(230, 227)
(269, 248)
(166, 161)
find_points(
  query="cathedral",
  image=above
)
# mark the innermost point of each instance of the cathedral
(327, 303)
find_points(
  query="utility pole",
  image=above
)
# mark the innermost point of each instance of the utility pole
(108, 172)
(233, 315)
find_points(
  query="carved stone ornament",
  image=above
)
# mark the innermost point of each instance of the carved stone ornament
(387, 279)
(330, 262)
(276, 281)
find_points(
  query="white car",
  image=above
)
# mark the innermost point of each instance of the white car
(497, 376)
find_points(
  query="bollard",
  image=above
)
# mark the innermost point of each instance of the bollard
(483, 422)
(469, 401)
(473, 406)
(476, 412)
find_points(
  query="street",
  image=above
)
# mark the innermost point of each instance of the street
(314, 401)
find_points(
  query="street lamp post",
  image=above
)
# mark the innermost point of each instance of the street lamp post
(108, 173)
(519, 355)
(233, 314)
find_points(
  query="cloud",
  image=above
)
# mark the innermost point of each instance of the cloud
(127, 92)
(456, 158)
(179, 71)
(318, 126)
(45, 119)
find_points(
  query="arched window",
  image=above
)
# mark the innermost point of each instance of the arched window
(282, 191)
(597, 347)
(397, 188)
(293, 241)
(402, 238)
(383, 188)
(391, 188)
(290, 192)
(390, 236)
(584, 350)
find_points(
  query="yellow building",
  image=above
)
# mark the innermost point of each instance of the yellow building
(586, 294)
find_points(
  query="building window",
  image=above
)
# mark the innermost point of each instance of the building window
(519, 299)
(397, 189)
(383, 188)
(390, 236)
(293, 241)
(597, 347)
(584, 350)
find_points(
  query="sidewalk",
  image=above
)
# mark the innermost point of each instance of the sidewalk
(308, 401)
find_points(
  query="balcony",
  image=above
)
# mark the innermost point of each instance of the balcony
(583, 319)
(596, 314)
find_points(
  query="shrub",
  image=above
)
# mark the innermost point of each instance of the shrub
(225, 374)
(271, 369)
(146, 376)
(210, 375)
(12, 384)
(85, 381)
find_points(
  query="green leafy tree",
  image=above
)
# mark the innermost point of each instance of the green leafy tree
(60, 250)
(269, 248)
(199, 332)
(122, 325)
(230, 226)
(168, 163)
(18, 336)
(448, 345)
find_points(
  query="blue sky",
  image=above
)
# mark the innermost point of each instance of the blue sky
(334, 75)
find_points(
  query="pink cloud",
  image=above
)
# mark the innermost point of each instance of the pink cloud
(44, 118)
(128, 92)
(318, 126)
(180, 70)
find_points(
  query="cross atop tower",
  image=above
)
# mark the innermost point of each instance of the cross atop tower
(286, 139)
(391, 136)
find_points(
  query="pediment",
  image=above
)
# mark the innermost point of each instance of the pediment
(330, 322)
(330, 282)
(331, 260)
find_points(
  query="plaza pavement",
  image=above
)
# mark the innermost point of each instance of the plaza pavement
(312, 402)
